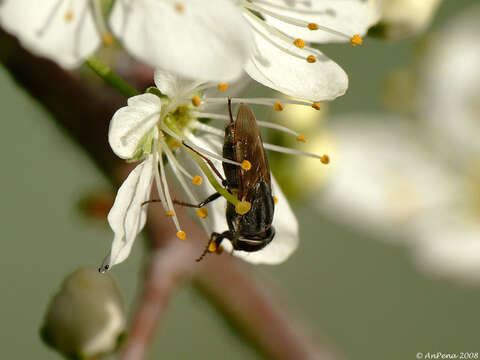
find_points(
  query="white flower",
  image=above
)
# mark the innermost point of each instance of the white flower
(449, 95)
(284, 61)
(207, 40)
(383, 177)
(419, 181)
(64, 31)
(152, 126)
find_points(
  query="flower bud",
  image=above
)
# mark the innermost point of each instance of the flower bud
(86, 318)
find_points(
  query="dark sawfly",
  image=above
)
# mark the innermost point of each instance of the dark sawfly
(253, 230)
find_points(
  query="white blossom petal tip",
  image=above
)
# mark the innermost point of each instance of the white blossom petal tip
(63, 31)
(128, 216)
(130, 124)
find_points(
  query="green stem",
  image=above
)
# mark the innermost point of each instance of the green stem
(211, 178)
(107, 74)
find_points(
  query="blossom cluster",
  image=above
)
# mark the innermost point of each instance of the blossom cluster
(202, 52)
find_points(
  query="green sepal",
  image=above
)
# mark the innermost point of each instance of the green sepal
(145, 147)
(155, 91)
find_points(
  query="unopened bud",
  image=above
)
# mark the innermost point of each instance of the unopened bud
(86, 318)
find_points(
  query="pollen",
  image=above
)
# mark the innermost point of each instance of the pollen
(312, 26)
(325, 159)
(107, 39)
(243, 207)
(222, 86)
(278, 106)
(316, 105)
(275, 200)
(302, 138)
(179, 7)
(311, 59)
(68, 16)
(212, 247)
(202, 212)
(197, 180)
(196, 101)
(169, 213)
(246, 165)
(181, 235)
(300, 43)
(356, 40)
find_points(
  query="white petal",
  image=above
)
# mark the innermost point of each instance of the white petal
(294, 76)
(130, 123)
(448, 245)
(127, 216)
(382, 177)
(449, 93)
(286, 237)
(174, 85)
(206, 40)
(348, 16)
(42, 28)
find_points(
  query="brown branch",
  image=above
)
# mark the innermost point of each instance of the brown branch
(226, 282)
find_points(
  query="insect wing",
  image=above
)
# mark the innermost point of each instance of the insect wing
(249, 146)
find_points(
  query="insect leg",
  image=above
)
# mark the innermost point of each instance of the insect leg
(150, 201)
(217, 238)
(230, 109)
(211, 198)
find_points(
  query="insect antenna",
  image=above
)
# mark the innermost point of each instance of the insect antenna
(209, 162)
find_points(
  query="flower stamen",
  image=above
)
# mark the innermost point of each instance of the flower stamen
(246, 165)
(197, 180)
(222, 86)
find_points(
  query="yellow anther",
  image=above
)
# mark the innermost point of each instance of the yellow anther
(107, 39)
(212, 247)
(278, 106)
(275, 200)
(222, 86)
(300, 43)
(302, 138)
(311, 59)
(356, 40)
(196, 101)
(181, 235)
(325, 159)
(202, 212)
(242, 207)
(68, 16)
(316, 105)
(312, 26)
(175, 143)
(246, 165)
(169, 213)
(197, 180)
(179, 7)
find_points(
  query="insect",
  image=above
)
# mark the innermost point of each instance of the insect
(251, 231)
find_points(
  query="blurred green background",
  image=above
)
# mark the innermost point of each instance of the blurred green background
(364, 295)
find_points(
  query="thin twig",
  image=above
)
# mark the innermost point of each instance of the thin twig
(226, 282)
